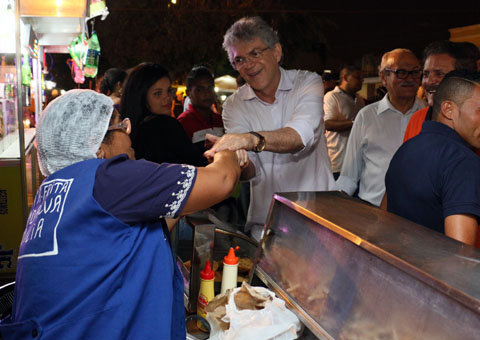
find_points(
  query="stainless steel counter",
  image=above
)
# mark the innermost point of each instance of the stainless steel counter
(353, 271)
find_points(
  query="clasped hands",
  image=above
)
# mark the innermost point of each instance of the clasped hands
(233, 142)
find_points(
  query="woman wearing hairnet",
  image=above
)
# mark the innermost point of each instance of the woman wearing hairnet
(95, 260)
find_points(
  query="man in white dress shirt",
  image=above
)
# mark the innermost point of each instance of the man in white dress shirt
(277, 116)
(341, 107)
(379, 128)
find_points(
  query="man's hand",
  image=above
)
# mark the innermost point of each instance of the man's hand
(230, 141)
(210, 140)
(243, 159)
(247, 167)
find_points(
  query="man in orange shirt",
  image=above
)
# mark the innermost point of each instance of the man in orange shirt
(440, 57)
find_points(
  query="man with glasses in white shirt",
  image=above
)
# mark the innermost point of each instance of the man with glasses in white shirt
(277, 116)
(379, 128)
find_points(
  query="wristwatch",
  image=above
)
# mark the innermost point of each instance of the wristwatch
(261, 142)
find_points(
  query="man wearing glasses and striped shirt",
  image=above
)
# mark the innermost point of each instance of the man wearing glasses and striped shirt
(379, 127)
(277, 116)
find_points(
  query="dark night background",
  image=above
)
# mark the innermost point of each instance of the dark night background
(315, 35)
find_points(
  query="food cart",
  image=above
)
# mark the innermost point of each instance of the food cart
(28, 28)
(353, 271)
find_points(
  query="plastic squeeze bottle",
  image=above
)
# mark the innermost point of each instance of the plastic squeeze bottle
(230, 270)
(206, 294)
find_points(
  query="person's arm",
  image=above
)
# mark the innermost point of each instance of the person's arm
(384, 204)
(214, 183)
(352, 163)
(338, 124)
(462, 227)
(247, 167)
(285, 140)
(334, 119)
(461, 198)
(304, 125)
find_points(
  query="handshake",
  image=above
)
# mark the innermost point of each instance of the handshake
(234, 142)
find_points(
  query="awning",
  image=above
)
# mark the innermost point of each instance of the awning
(55, 23)
(226, 84)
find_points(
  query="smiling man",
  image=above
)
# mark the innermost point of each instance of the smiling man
(379, 127)
(277, 116)
(440, 57)
(434, 178)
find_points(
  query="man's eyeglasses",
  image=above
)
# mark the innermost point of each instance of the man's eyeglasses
(124, 125)
(403, 74)
(254, 55)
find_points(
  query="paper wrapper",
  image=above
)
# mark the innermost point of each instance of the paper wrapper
(246, 298)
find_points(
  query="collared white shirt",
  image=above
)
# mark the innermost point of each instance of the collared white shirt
(376, 135)
(339, 105)
(298, 105)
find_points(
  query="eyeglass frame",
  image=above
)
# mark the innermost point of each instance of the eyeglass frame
(408, 73)
(125, 125)
(253, 55)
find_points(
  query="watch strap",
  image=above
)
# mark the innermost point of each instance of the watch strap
(261, 142)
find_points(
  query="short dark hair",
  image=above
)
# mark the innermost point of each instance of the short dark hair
(198, 72)
(133, 103)
(110, 79)
(348, 69)
(464, 58)
(457, 86)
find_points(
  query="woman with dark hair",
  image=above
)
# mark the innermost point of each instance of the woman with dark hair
(111, 84)
(156, 136)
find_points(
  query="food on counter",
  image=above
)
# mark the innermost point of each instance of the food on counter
(244, 265)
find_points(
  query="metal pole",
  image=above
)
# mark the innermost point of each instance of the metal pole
(21, 131)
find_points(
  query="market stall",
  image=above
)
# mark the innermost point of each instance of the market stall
(353, 271)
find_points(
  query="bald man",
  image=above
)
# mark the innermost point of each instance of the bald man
(379, 128)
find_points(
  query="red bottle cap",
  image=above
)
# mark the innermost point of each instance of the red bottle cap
(231, 258)
(207, 273)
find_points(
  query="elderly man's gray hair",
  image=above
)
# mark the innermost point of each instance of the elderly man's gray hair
(248, 29)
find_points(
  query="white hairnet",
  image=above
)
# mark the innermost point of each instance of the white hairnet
(71, 129)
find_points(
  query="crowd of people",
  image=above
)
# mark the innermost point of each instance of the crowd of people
(95, 260)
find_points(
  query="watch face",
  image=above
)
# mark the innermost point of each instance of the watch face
(261, 144)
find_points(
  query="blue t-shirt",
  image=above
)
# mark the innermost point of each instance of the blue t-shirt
(432, 176)
(83, 272)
